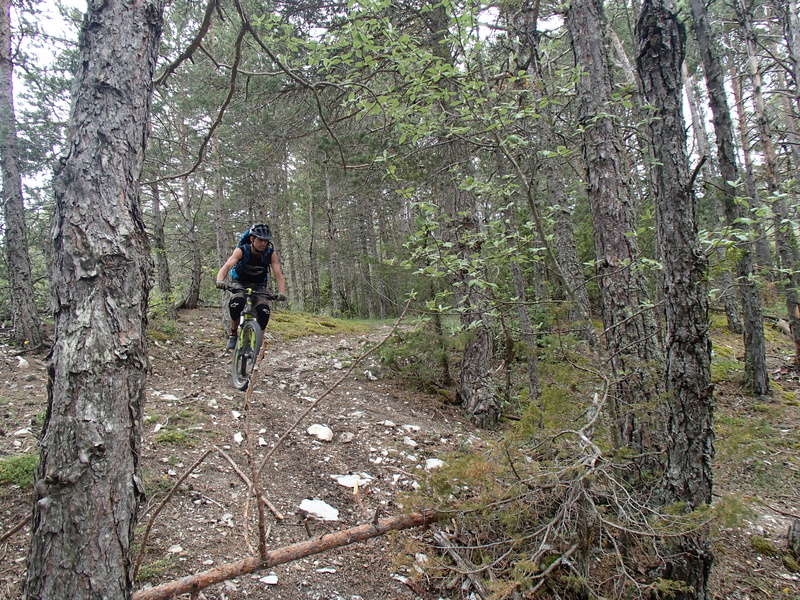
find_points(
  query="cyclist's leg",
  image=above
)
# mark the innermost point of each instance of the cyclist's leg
(262, 309)
(235, 307)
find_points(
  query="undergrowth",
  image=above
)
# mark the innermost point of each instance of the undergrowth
(19, 469)
(289, 325)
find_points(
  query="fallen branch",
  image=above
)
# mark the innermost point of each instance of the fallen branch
(15, 529)
(467, 568)
(193, 583)
(246, 480)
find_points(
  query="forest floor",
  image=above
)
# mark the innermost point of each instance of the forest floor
(383, 432)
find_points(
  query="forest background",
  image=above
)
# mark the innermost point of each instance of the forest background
(505, 164)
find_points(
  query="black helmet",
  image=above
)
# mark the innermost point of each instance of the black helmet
(261, 231)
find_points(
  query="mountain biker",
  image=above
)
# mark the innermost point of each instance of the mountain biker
(249, 265)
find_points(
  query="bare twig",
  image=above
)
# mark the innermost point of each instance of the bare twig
(14, 529)
(467, 568)
(158, 509)
(278, 514)
(330, 389)
(284, 555)
(187, 54)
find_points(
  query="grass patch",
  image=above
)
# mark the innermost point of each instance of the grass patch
(157, 568)
(175, 437)
(18, 470)
(290, 325)
(161, 330)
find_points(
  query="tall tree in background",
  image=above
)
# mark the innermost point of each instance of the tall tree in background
(752, 321)
(27, 327)
(87, 489)
(630, 331)
(687, 476)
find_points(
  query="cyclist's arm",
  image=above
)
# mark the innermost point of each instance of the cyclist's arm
(229, 264)
(278, 273)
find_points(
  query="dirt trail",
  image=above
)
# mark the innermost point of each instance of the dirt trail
(381, 432)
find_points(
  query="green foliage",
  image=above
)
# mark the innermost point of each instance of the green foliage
(731, 511)
(19, 470)
(418, 356)
(163, 329)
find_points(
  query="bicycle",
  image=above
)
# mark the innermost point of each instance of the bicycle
(249, 339)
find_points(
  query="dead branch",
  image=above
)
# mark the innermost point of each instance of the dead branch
(278, 514)
(467, 568)
(187, 54)
(193, 583)
(158, 509)
(14, 529)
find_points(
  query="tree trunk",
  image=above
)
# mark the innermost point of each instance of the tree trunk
(313, 261)
(724, 279)
(752, 326)
(24, 316)
(630, 331)
(162, 264)
(333, 250)
(785, 239)
(689, 392)
(87, 488)
(763, 251)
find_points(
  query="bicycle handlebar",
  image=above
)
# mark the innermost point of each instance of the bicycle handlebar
(240, 288)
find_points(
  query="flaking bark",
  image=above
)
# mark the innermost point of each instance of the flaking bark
(87, 490)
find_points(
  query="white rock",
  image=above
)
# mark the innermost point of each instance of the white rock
(370, 376)
(411, 427)
(22, 363)
(270, 579)
(421, 558)
(346, 437)
(409, 442)
(319, 509)
(321, 432)
(326, 570)
(262, 441)
(208, 562)
(338, 365)
(213, 404)
(236, 414)
(387, 423)
(170, 397)
(352, 480)
(21, 432)
(157, 428)
(433, 463)
(238, 437)
(175, 549)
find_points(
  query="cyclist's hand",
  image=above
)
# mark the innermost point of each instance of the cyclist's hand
(220, 285)
(280, 298)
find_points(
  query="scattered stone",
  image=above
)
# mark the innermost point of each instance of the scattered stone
(338, 365)
(213, 404)
(238, 437)
(319, 509)
(346, 437)
(23, 364)
(326, 570)
(409, 442)
(370, 376)
(21, 432)
(175, 549)
(353, 479)
(321, 432)
(433, 463)
(157, 428)
(262, 441)
(169, 397)
(270, 579)
(208, 562)
(236, 414)
(387, 423)
(411, 428)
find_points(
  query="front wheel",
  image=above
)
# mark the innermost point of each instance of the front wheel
(245, 354)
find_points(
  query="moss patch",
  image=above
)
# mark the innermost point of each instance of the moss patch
(19, 470)
(291, 325)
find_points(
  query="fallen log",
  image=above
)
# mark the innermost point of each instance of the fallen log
(194, 583)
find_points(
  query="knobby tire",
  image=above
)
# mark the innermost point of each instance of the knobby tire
(245, 354)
